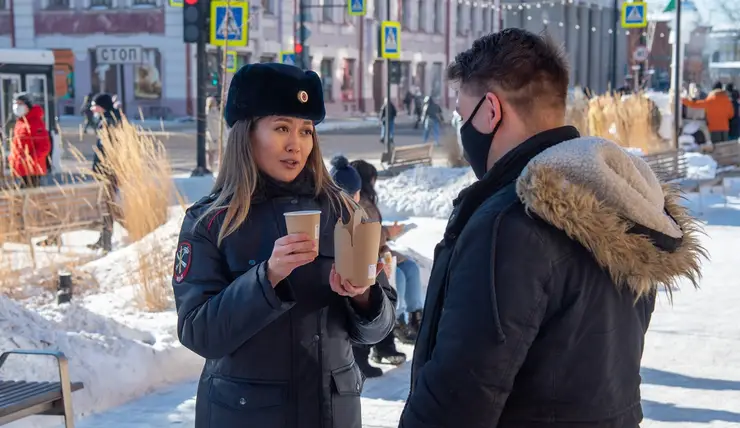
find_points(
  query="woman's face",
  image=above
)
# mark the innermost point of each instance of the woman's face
(281, 146)
(356, 197)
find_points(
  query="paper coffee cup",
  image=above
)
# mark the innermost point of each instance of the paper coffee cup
(307, 222)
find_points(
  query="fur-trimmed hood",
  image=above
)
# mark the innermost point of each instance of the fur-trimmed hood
(612, 203)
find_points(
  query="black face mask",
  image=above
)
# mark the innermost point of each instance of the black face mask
(476, 145)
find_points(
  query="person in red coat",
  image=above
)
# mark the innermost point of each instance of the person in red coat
(31, 144)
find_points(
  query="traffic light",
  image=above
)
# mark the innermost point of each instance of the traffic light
(193, 20)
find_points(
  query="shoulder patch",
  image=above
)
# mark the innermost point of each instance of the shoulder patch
(183, 258)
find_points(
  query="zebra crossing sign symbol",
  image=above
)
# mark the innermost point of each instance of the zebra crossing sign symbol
(634, 15)
(357, 7)
(229, 23)
(390, 40)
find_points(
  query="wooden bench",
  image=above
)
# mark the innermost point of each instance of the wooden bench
(727, 156)
(20, 399)
(52, 210)
(670, 165)
(405, 157)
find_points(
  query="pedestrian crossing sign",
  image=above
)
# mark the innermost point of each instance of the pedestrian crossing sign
(229, 23)
(287, 57)
(634, 15)
(357, 7)
(231, 65)
(176, 3)
(390, 40)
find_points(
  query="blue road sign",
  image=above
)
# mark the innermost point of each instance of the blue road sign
(287, 58)
(229, 23)
(357, 7)
(302, 33)
(634, 15)
(390, 42)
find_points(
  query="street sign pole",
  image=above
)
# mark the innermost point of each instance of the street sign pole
(222, 101)
(387, 136)
(200, 103)
(677, 72)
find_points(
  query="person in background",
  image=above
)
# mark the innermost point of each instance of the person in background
(31, 144)
(418, 107)
(30, 149)
(87, 114)
(719, 111)
(408, 278)
(214, 121)
(108, 117)
(347, 177)
(408, 100)
(734, 132)
(267, 309)
(384, 118)
(433, 119)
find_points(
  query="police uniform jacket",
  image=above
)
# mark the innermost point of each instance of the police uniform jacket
(275, 357)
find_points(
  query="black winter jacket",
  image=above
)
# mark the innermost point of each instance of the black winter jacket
(534, 323)
(275, 357)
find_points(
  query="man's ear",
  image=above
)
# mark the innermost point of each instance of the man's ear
(495, 110)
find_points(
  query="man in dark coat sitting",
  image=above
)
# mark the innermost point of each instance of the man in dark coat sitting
(544, 284)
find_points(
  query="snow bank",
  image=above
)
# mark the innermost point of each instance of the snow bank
(429, 191)
(117, 350)
(422, 192)
(700, 166)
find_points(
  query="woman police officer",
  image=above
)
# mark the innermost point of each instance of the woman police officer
(267, 311)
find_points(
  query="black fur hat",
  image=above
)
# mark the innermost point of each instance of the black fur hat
(274, 89)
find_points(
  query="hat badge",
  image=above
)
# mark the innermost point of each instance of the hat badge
(303, 96)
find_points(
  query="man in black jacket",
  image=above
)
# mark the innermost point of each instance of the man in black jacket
(544, 284)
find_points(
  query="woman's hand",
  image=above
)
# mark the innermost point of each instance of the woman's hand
(289, 253)
(345, 288)
(395, 231)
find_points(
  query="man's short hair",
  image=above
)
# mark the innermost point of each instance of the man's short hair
(526, 69)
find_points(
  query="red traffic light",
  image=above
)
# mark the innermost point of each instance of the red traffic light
(191, 2)
(298, 48)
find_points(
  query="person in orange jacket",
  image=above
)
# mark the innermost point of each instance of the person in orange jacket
(31, 143)
(719, 112)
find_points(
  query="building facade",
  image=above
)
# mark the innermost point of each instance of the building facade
(342, 49)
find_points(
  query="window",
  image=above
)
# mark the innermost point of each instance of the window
(486, 21)
(421, 25)
(3, 5)
(268, 7)
(348, 80)
(376, 9)
(58, 4)
(459, 20)
(151, 3)
(473, 21)
(436, 79)
(101, 4)
(327, 77)
(327, 11)
(437, 16)
(406, 15)
(268, 58)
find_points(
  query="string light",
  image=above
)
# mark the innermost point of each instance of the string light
(515, 9)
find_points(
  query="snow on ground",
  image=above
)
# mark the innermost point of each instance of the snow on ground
(122, 353)
(118, 350)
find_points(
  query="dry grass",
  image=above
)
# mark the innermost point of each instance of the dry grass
(629, 121)
(142, 171)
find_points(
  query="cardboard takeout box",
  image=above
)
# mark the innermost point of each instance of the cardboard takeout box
(356, 247)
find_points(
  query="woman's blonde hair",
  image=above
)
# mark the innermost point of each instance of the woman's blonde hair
(238, 174)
